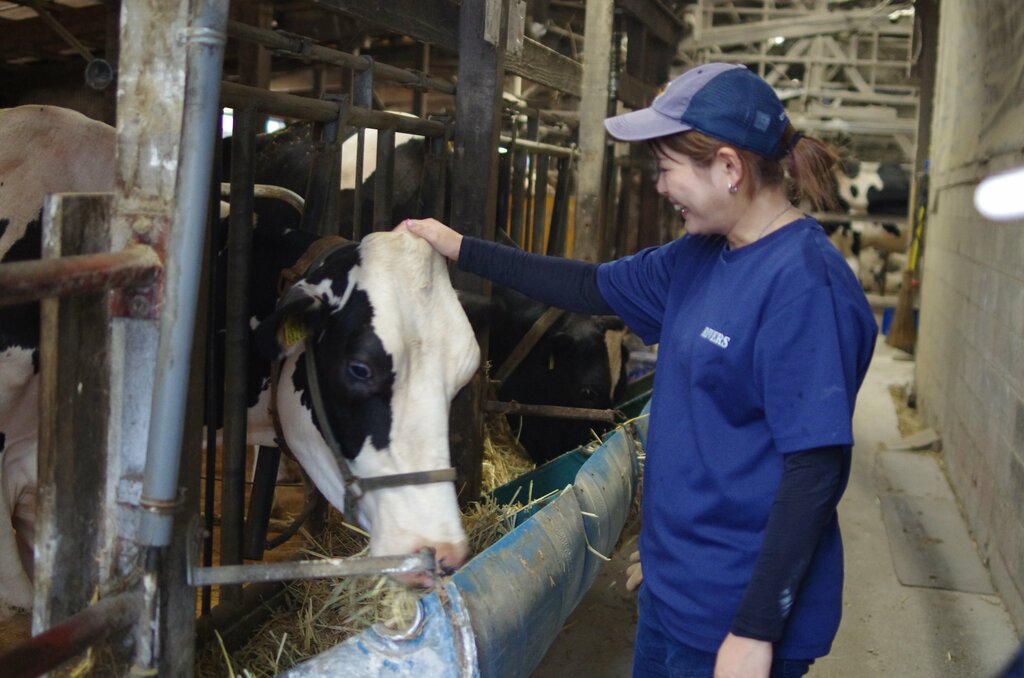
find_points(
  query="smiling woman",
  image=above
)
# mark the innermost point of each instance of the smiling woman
(765, 336)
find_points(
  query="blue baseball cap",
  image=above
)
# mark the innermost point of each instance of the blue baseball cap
(724, 101)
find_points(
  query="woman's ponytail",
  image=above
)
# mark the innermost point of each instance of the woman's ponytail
(810, 163)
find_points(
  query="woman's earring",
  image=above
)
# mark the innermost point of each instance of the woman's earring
(733, 188)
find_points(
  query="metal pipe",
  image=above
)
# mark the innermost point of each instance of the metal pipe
(25, 281)
(537, 147)
(205, 57)
(270, 192)
(553, 411)
(316, 110)
(422, 561)
(236, 342)
(306, 50)
(58, 644)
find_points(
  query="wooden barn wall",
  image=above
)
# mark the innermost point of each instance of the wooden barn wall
(970, 350)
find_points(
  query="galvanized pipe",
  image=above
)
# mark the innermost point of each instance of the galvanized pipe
(422, 561)
(205, 57)
(53, 647)
(25, 281)
(553, 411)
(538, 147)
(316, 110)
(269, 192)
(304, 49)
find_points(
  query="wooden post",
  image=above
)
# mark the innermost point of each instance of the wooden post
(903, 331)
(76, 370)
(589, 231)
(482, 35)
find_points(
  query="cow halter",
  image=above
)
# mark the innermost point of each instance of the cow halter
(356, 487)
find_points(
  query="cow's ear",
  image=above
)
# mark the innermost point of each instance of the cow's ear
(298, 315)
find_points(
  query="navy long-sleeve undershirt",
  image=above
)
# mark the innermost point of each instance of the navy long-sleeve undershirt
(807, 495)
(564, 283)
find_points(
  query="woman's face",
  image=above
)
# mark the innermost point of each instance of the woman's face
(699, 194)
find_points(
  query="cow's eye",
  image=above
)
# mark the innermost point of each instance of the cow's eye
(359, 370)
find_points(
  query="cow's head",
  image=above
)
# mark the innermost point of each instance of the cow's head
(393, 347)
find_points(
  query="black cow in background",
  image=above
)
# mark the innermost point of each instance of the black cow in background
(579, 362)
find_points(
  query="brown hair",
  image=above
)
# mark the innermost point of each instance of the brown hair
(809, 163)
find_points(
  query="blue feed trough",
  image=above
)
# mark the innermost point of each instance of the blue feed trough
(499, 614)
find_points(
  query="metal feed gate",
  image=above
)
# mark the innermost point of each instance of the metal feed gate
(113, 457)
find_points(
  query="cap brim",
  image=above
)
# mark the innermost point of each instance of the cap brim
(644, 124)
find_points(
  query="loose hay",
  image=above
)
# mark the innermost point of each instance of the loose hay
(321, 613)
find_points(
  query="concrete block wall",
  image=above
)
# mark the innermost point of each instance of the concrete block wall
(970, 348)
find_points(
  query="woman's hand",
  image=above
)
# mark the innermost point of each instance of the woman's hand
(445, 240)
(634, 573)
(740, 657)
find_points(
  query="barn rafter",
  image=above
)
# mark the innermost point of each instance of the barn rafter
(844, 69)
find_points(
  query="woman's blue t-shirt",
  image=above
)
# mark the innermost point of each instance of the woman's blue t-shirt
(762, 350)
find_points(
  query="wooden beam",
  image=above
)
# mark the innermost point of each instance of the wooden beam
(823, 23)
(594, 105)
(545, 66)
(33, 33)
(634, 92)
(478, 105)
(661, 23)
(433, 21)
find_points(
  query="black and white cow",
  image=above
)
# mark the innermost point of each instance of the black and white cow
(42, 150)
(875, 250)
(393, 342)
(393, 347)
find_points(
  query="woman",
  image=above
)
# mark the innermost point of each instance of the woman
(765, 337)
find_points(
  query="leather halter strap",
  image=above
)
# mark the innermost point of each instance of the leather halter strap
(356, 487)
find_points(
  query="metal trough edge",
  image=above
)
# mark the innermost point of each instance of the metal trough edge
(500, 613)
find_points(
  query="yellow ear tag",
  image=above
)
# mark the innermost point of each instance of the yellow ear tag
(293, 331)
(551, 363)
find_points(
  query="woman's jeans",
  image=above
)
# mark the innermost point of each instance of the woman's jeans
(657, 655)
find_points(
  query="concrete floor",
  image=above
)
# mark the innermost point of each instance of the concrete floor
(889, 628)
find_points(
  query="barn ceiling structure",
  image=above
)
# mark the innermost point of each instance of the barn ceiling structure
(844, 68)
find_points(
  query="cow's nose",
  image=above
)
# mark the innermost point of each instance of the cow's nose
(447, 558)
(589, 393)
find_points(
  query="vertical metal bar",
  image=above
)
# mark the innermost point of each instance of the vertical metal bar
(236, 342)
(211, 394)
(184, 257)
(261, 499)
(436, 174)
(362, 96)
(540, 203)
(518, 195)
(560, 210)
(504, 189)
(532, 134)
(384, 180)
(320, 214)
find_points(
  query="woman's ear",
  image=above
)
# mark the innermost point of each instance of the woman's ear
(728, 162)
